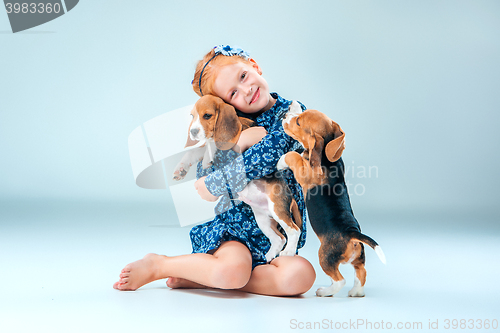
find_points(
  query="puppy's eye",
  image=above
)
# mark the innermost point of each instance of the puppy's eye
(297, 121)
(207, 116)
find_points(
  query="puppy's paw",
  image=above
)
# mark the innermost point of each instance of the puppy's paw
(270, 256)
(206, 164)
(276, 245)
(323, 292)
(357, 292)
(281, 165)
(332, 290)
(290, 250)
(180, 171)
(295, 108)
(287, 253)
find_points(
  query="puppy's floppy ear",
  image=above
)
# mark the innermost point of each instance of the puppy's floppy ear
(316, 144)
(246, 123)
(334, 148)
(227, 127)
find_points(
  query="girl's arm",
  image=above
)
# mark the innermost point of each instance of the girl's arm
(248, 138)
(256, 162)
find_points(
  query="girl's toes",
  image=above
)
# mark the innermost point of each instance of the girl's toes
(120, 285)
(171, 282)
(124, 280)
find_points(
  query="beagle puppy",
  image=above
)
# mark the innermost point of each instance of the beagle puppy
(214, 125)
(320, 172)
(217, 125)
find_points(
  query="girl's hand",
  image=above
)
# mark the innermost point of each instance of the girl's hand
(251, 136)
(202, 190)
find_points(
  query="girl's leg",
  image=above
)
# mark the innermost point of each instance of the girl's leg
(228, 268)
(283, 276)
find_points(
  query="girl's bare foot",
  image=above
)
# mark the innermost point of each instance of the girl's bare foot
(140, 272)
(179, 283)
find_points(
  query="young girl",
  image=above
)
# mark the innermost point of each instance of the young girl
(229, 252)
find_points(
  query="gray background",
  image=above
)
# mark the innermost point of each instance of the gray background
(414, 84)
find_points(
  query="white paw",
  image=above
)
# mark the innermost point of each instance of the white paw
(323, 292)
(331, 290)
(281, 165)
(180, 171)
(287, 253)
(293, 239)
(293, 111)
(295, 108)
(357, 292)
(205, 164)
(270, 256)
(276, 245)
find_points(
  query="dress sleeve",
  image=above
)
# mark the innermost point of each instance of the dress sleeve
(256, 162)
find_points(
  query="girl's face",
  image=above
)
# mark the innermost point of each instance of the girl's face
(242, 86)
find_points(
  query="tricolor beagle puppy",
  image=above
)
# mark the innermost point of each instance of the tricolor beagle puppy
(320, 172)
(216, 123)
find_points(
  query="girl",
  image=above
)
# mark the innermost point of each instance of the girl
(229, 252)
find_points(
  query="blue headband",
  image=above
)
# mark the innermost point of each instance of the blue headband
(227, 51)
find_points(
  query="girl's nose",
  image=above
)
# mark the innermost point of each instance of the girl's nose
(249, 91)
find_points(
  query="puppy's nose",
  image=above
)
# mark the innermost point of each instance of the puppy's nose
(195, 131)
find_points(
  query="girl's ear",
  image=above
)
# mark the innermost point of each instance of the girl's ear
(256, 66)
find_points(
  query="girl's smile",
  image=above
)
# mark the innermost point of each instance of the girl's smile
(255, 96)
(242, 86)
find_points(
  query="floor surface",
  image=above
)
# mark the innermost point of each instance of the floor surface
(59, 260)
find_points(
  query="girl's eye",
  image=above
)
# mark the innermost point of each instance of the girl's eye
(243, 75)
(232, 93)
(207, 116)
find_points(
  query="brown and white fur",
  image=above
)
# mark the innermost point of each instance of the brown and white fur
(320, 172)
(217, 125)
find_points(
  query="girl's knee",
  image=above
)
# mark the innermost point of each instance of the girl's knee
(233, 267)
(231, 275)
(297, 277)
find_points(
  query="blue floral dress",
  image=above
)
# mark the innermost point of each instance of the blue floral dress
(230, 172)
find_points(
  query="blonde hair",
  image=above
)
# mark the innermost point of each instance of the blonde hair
(208, 68)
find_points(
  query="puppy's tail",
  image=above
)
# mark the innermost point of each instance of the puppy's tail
(370, 242)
